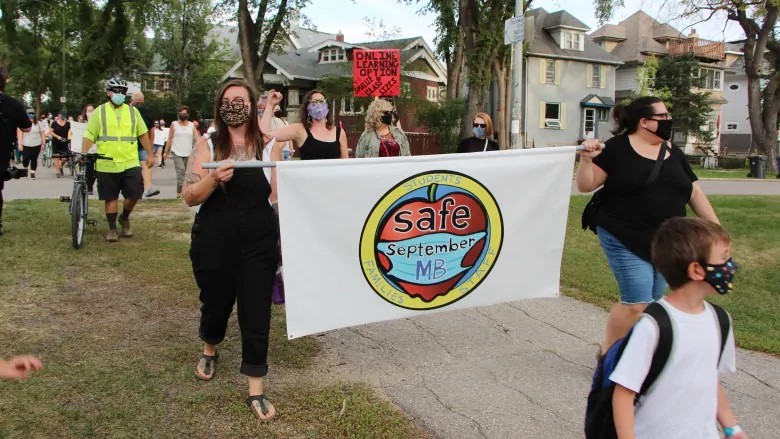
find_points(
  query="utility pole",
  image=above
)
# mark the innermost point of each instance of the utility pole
(517, 84)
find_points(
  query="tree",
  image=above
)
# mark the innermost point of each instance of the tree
(675, 80)
(182, 40)
(761, 51)
(260, 34)
(443, 118)
(378, 30)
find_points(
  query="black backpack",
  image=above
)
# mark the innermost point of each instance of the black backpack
(599, 419)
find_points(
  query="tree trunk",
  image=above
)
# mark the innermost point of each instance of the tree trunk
(247, 42)
(454, 74)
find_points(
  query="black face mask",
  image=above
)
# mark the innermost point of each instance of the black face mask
(183, 117)
(278, 113)
(664, 130)
(387, 118)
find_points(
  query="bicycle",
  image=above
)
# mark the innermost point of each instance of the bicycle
(46, 159)
(78, 207)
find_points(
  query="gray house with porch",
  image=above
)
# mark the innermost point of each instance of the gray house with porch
(569, 88)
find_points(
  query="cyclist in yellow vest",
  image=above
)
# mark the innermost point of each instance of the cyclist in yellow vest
(117, 129)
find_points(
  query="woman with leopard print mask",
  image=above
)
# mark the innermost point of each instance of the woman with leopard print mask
(234, 239)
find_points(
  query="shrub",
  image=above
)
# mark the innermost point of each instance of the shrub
(731, 163)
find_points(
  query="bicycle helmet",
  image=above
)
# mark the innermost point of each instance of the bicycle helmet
(116, 82)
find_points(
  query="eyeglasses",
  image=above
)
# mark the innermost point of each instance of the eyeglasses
(480, 125)
(662, 116)
(117, 90)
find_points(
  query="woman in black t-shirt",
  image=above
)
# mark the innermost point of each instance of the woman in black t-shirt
(633, 206)
(482, 128)
(60, 132)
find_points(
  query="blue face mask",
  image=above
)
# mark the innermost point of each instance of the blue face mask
(479, 132)
(429, 259)
(118, 98)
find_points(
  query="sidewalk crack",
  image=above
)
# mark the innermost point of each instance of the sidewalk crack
(450, 409)
(758, 379)
(434, 337)
(549, 324)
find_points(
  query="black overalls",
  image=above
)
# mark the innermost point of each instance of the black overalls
(234, 257)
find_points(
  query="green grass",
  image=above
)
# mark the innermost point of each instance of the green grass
(728, 173)
(754, 303)
(116, 328)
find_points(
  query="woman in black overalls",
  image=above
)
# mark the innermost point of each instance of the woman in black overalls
(234, 239)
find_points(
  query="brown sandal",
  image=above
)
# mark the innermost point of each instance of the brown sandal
(209, 367)
(262, 403)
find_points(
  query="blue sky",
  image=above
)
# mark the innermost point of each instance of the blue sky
(347, 16)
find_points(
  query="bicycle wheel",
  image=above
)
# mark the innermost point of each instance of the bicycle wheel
(78, 216)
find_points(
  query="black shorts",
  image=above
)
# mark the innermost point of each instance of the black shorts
(129, 182)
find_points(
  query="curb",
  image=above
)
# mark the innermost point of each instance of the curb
(777, 180)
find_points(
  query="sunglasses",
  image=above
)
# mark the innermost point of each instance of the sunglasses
(117, 90)
(662, 116)
(480, 125)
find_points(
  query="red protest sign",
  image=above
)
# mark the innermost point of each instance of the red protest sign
(377, 72)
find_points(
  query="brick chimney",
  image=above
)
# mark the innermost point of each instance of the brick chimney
(693, 34)
(340, 37)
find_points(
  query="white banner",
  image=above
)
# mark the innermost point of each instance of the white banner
(77, 135)
(368, 240)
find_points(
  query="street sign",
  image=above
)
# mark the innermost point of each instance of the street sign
(62, 99)
(514, 30)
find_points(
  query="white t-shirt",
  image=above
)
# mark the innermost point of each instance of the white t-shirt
(32, 138)
(683, 401)
(267, 157)
(160, 136)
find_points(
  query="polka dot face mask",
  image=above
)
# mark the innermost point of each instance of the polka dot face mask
(234, 113)
(720, 276)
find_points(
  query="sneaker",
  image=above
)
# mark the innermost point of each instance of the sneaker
(152, 192)
(59, 175)
(32, 175)
(126, 231)
(112, 236)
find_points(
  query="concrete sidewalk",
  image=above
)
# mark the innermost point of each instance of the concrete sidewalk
(514, 370)
(48, 186)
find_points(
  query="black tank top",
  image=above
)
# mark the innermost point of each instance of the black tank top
(235, 223)
(313, 149)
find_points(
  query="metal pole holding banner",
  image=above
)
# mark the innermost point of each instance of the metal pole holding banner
(262, 164)
(241, 165)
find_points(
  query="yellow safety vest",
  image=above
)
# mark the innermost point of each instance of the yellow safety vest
(117, 139)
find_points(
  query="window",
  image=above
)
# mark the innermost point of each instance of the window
(732, 126)
(603, 114)
(552, 115)
(590, 123)
(433, 94)
(572, 40)
(595, 77)
(332, 55)
(549, 72)
(406, 88)
(734, 87)
(712, 79)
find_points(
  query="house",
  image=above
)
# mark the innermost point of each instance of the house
(569, 85)
(311, 55)
(735, 134)
(638, 37)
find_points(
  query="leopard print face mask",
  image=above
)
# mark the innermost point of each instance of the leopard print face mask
(234, 113)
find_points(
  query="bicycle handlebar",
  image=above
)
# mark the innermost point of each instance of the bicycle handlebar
(76, 154)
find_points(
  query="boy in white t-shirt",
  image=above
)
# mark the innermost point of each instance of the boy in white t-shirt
(694, 256)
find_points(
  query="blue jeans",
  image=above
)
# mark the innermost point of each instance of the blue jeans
(637, 279)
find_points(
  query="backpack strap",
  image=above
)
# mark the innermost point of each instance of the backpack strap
(725, 326)
(664, 347)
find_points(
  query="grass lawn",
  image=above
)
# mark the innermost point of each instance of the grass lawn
(116, 327)
(754, 303)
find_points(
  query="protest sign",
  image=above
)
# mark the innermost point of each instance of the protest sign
(376, 72)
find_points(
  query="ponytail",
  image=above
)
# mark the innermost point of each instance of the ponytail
(627, 116)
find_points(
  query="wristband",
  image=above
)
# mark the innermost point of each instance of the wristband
(731, 431)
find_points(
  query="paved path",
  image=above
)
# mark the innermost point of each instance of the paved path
(47, 186)
(514, 370)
